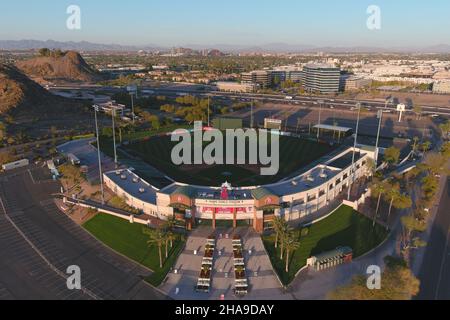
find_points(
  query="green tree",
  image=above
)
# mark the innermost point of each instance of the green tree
(290, 244)
(415, 146)
(435, 162)
(379, 188)
(397, 283)
(44, 52)
(158, 238)
(392, 155)
(445, 129)
(418, 111)
(284, 233)
(278, 226)
(409, 239)
(3, 135)
(425, 147)
(397, 199)
(445, 150)
(170, 225)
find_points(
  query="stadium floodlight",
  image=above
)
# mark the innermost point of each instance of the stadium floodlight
(132, 90)
(97, 109)
(209, 123)
(113, 116)
(320, 118)
(380, 116)
(252, 119)
(352, 170)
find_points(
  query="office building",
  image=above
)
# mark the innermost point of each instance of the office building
(262, 78)
(321, 78)
(229, 86)
(442, 87)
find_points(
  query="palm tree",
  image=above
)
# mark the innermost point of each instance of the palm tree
(170, 226)
(277, 223)
(168, 237)
(378, 188)
(424, 147)
(284, 233)
(397, 200)
(415, 146)
(291, 244)
(156, 237)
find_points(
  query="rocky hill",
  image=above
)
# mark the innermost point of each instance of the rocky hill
(17, 90)
(59, 66)
(30, 109)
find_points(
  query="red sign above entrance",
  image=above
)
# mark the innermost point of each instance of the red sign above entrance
(223, 210)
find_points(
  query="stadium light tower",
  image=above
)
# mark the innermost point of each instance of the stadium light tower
(320, 118)
(113, 116)
(380, 116)
(209, 122)
(352, 170)
(132, 90)
(96, 109)
(252, 119)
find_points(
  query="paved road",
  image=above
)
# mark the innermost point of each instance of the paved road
(38, 243)
(173, 89)
(435, 272)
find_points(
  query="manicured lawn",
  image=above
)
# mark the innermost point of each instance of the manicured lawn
(345, 227)
(294, 154)
(128, 239)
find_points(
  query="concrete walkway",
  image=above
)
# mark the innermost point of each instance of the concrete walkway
(263, 285)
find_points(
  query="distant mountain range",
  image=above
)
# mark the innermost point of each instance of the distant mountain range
(269, 48)
(69, 45)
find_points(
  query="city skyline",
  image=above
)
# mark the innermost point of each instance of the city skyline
(252, 23)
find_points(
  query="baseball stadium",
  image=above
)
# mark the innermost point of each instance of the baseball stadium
(311, 174)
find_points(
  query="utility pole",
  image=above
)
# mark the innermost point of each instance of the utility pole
(96, 109)
(380, 116)
(352, 170)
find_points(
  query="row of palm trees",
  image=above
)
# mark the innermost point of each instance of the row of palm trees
(391, 192)
(285, 238)
(162, 236)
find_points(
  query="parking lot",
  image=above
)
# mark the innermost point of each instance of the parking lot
(38, 243)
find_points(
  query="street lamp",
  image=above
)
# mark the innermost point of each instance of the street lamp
(96, 109)
(352, 170)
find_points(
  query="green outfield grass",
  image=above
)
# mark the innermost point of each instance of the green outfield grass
(294, 154)
(345, 227)
(128, 239)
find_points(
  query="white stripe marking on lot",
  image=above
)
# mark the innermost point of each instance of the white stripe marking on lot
(57, 271)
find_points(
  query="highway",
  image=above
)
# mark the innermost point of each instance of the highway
(174, 90)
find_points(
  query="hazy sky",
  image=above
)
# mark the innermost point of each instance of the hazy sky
(241, 22)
